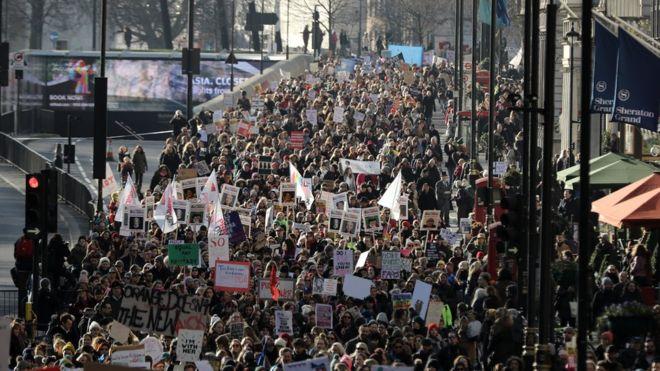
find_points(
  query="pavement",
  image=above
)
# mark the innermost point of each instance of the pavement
(71, 223)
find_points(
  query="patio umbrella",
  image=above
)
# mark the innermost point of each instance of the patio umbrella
(642, 186)
(594, 163)
(642, 211)
(616, 174)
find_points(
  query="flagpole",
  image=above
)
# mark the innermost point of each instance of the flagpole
(491, 110)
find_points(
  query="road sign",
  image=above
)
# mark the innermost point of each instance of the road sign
(53, 36)
(18, 61)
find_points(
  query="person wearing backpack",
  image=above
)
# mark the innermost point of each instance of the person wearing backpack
(24, 252)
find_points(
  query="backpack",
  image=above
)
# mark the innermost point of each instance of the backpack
(24, 249)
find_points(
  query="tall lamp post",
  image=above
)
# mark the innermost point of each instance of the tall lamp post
(288, 4)
(233, 24)
(571, 36)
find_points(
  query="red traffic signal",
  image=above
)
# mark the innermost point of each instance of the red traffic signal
(33, 182)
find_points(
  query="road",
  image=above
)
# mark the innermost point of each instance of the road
(71, 225)
(82, 169)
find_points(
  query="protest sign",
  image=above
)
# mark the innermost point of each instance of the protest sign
(324, 286)
(334, 224)
(235, 227)
(288, 194)
(324, 315)
(420, 298)
(229, 195)
(403, 207)
(297, 139)
(312, 116)
(232, 276)
(182, 255)
(284, 322)
(202, 168)
(264, 165)
(401, 300)
(362, 260)
(189, 187)
(339, 201)
(118, 331)
(196, 213)
(135, 218)
(189, 345)
(180, 208)
(434, 312)
(361, 167)
(316, 364)
(359, 116)
(183, 174)
(236, 330)
(285, 286)
(153, 348)
(391, 265)
(243, 129)
(371, 219)
(465, 225)
(338, 115)
(218, 247)
(127, 354)
(246, 222)
(342, 262)
(499, 167)
(350, 223)
(162, 312)
(356, 287)
(149, 204)
(406, 264)
(430, 220)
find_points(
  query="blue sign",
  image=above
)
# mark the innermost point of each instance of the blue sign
(347, 65)
(637, 86)
(602, 92)
(234, 227)
(411, 54)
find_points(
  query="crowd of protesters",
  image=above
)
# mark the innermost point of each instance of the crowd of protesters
(404, 118)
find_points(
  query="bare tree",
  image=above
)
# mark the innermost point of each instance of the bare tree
(421, 17)
(331, 11)
(148, 19)
(37, 13)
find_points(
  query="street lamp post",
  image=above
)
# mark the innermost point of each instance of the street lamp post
(261, 46)
(571, 36)
(359, 40)
(288, 5)
(233, 23)
(191, 37)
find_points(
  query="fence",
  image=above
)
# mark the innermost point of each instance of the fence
(9, 303)
(69, 188)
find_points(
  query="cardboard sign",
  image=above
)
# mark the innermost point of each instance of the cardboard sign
(350, 223)
(264, 165)
(430, 220)
(465, 225)
(162, 312)
(499, 167)
(229, 195)
(312, 116)
(236, 330)
(119, 332)
(401, 300)
(288, 194)
(183, 255)
(334, 223)
(189, 345)
(391, 265)
(232, 276)
(434, 312)
(338, 115)
(218, 247)
(153, 348)
(324, 315)
(297, 139)
(127, 354)
(357, 287)
(283, 322)
(286, 287)
(342, 262)
(361, 167)
(420, 298)
(235, 227)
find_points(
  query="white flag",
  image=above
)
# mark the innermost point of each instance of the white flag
(209, 193)
(128, 197)
(164, 214)
(390, 198)
(110, 182)
(303, 193)
(217, 222)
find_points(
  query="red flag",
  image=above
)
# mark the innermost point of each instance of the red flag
(274, 281)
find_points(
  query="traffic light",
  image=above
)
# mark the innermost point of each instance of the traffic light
(511, 219)
(35, 202)
(50, 175)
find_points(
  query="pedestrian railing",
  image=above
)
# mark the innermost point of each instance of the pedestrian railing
(9, 303)
(69, 188)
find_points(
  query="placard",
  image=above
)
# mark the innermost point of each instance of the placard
(499, 167)
(288, 194)
(127, 354)
(434, 312)
(181, 210)
(162, 312)
(362, 260)
(264, 165)
(334, 223)
(339, 201)
(403, 207)
(430, 220)
(182, 255)
(312, 116)
(338, 115)
(153, 348)
(135, 218)
(361, 167)
(236, 330)
(189, 345)
(196, 213)
(119, 331)
(285, 286)
(189, 187)
(465, 225)
(232, 276)
(297, 139)
(149, 204)
(316, 364)
(401, 300)
(229, 195)
(183, 174)
(324, 286)
(357, 287)
(283, 322)
(202, 168)
(324, 316)
(420, 298)
(391, 265)
(218, 247)
(358, 116)
(350, 223)
(342, 262)
(371, 219)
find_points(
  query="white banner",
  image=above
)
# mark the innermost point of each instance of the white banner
(361, 167)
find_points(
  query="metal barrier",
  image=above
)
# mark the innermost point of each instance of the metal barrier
(69, 188)
(9, 303)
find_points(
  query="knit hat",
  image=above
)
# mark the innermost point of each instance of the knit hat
(382, 317)
(94, 326)
(69, 346)
(279, 342)
(214, 320)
